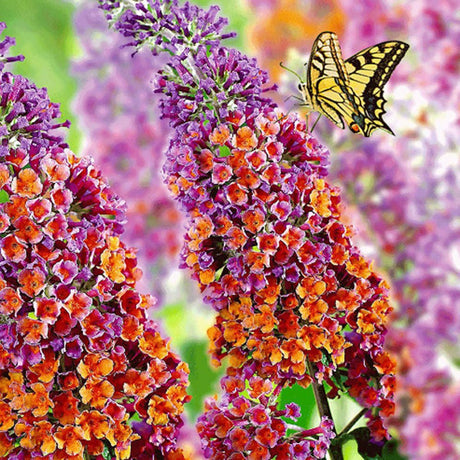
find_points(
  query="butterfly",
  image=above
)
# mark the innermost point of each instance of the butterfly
(350, 91)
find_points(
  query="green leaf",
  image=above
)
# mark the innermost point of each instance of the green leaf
(4, 197)
(224, 151)
(390, 451)
(304, 398)
(106, 453)
(219, 273)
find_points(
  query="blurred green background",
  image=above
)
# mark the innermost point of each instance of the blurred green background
(45, 36)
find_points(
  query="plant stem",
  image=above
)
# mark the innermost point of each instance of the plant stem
(324, 410)
(353, 421)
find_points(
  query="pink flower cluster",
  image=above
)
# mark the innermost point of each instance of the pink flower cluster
(248, 420)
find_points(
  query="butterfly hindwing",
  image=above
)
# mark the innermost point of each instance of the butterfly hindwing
(333, 100)
(368, 72)
(351, 91)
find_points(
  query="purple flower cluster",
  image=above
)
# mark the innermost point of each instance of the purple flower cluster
(27, 115)
(127, 138)
(5, 45)
(79, 360)
(415, 237)
(164, 26)
(225, 81)
(265, 239)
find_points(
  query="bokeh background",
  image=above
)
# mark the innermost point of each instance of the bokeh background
(402, 194)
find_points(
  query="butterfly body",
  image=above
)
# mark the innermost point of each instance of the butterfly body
(350, 91)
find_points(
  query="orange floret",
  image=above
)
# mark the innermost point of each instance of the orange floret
(293, 350)
(367, 320)
(96, 392)
(313, 310)
(113, 264)
(245, 138)
(95, 365)
(138, 383)
(32, 281)
(265, 321)
(234, 333)
(12, 249)
(153, 345)
(28, 230)
(358, 266)
(93, 423)
(159, 409)
(27, 183)
(66, 408)
(310, 288)
(40, 436)
(32, 330)
(321, 202)
(39, 401)
(47, 368)
(132, 328)
(7, 416)
(220, 135)
(69, 438)
(10, 301)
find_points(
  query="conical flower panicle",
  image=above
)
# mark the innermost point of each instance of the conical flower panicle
(83, 371)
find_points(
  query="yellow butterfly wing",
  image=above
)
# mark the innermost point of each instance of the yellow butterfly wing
(327, 83)
(326, 59)
(332, 100)
(350, 91)
(368, 71)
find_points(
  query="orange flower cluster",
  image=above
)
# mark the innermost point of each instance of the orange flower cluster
(83, 372)
(270, 253)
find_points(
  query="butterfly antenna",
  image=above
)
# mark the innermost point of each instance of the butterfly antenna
(292, 71)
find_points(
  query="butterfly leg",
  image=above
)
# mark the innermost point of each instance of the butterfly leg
(315, 123)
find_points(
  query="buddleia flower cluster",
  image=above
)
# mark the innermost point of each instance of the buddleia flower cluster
(296, 301)
(404, 193)
(83, 372)
(247, 419)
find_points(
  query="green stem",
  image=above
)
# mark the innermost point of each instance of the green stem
(335, 451)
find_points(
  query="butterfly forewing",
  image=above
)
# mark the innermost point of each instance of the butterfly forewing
(326, 59)
(326, 78)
